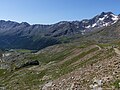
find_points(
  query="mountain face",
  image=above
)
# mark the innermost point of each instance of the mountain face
(106, 34)
(24, 35)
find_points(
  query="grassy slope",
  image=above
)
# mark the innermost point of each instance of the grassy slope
(51, 68)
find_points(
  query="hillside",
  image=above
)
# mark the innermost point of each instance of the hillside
(106, 34)
(65, 66)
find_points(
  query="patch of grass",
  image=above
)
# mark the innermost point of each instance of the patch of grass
(104, 45)
(2, 72)
(79, 57)
(64, 68)
(31, 78)
(24, 78)
(116, 84)
(49, 57)
(23, 51)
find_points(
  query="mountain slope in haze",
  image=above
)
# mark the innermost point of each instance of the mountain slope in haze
(24, 35)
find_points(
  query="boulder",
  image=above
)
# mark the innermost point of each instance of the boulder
(29, 63)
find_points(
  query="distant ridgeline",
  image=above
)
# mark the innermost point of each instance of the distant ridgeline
(15, 35)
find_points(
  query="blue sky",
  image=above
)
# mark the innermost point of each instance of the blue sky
(52, 11)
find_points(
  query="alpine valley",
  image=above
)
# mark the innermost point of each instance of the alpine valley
(68, 55)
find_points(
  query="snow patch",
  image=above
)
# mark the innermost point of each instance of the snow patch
(94, 25)
(115, 18)
(105, 16)
(88, 26)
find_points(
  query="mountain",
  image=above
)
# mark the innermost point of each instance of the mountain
(26, 36)
(105, 34)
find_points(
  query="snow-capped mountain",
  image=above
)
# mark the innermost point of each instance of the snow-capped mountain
(104, 19)
(73, 27)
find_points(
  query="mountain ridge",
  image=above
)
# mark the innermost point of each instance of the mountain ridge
(14, 34)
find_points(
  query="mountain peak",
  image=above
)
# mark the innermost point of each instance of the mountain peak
(25, 23)
(104, 19)
(106, 13)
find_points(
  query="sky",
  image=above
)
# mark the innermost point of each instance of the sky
(53, 11)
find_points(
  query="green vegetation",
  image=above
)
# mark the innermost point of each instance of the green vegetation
(49, 57)
(78, 57)
(23, 51)
(2, 72)
(117, 84)
(105, 45)
(64, 68)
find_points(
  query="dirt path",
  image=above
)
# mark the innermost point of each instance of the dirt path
(98, 47)
(117, 51)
